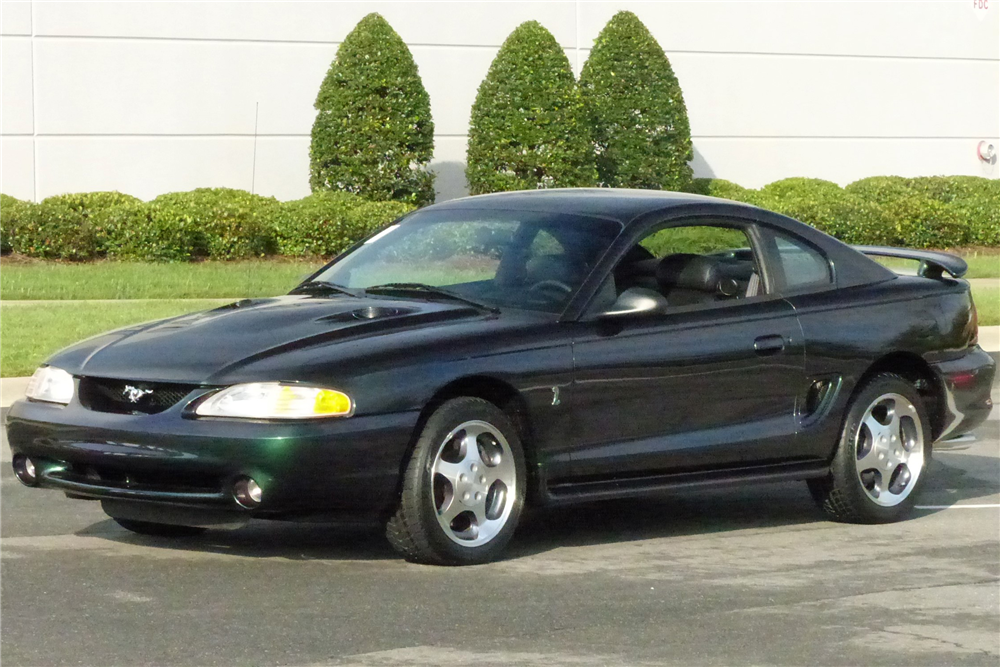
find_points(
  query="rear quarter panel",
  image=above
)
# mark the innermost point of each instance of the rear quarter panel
(848, 330)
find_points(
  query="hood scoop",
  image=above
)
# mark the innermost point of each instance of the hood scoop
(368, 313)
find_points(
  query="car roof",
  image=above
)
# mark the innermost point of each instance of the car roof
(619, 204)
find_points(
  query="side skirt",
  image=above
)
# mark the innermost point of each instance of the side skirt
(566, 491)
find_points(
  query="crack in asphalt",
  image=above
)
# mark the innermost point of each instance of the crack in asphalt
(837, 598)
(918, 635)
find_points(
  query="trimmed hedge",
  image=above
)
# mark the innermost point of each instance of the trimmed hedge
(880, 188)
(528, 127)
(948, 189)
(720, 187)
(13, 216)
(135, 232)
(220, 223)
(225, 223)
(921, 222)
(233, 224)
(373, 134)
(65, 226)
(927, 212)
(217, 223)
(980, 213)
(797, 187)
(851, 219)
(635, 108)
(326, 223)
(936, 211)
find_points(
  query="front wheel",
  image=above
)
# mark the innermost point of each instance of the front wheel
(882, 456)
(463, 489)
(158, 529)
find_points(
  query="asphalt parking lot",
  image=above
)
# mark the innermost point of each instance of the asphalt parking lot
(754, 576)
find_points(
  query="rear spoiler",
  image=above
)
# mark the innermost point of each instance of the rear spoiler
(932, 264)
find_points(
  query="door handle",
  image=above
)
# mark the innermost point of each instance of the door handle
(768, 345)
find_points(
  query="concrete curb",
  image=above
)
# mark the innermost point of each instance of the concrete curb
(989, 338)
(12, 389)
(73, 302)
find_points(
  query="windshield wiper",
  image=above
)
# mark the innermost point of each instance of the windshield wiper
(431, 290)
(321, 286)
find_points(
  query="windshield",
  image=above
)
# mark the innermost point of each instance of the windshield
(520, 259)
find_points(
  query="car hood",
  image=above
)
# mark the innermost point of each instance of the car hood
(197, 347)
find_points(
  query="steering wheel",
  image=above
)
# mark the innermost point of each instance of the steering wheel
(549, 290)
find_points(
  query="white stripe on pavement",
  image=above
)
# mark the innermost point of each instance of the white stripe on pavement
(957, 507)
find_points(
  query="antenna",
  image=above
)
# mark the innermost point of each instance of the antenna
(253, 173)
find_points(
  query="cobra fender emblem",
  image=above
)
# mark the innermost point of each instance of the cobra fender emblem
(135, 394)
(555, 395)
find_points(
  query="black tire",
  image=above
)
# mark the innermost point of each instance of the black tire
(159, 529)
(842, 494)
(414, 530)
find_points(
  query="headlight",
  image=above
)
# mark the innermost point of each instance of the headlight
(273, 400)
(50, 384)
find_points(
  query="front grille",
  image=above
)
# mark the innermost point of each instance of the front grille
(126, 397)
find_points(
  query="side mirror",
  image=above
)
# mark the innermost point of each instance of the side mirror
(636, 301)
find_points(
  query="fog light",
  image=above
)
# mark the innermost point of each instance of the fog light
(247, 492)
(24, 470)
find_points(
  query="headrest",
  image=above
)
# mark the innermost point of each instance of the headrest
(553, 267)
(688, 271)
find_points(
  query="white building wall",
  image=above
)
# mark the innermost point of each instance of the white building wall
(149, 98)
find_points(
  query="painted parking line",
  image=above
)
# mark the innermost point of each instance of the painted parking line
(957, 507)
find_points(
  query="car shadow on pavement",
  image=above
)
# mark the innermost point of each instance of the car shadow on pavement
(673, 514)
(265, 539)
(956, 479)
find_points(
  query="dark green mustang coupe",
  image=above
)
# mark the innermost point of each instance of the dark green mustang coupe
(535, 347)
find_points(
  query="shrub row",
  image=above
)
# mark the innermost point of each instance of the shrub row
(929, 212)
(217, 223)
(926, 212)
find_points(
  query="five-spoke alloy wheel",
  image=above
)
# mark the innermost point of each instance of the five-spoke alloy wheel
(475, 483)
(882, 455)
(889, 449)
(463, 490)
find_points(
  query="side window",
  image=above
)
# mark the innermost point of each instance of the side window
(696, 239)
(689, 266)
(803, 267)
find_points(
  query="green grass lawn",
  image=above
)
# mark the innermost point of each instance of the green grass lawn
(142, 280)
(32, 332)
(983, 265)
(987, 300)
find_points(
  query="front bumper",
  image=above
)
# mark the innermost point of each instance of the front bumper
(966, 383)
(170, 459)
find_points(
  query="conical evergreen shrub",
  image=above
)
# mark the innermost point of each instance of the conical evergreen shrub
(528, 128)
(373, 135)
(636, 111)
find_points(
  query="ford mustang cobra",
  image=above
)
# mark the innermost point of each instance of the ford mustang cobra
(523, 348)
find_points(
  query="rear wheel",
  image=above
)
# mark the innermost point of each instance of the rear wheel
(158, 529)
(882, 456)
(463, 489)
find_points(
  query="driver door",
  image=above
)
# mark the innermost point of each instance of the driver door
(709, 381)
